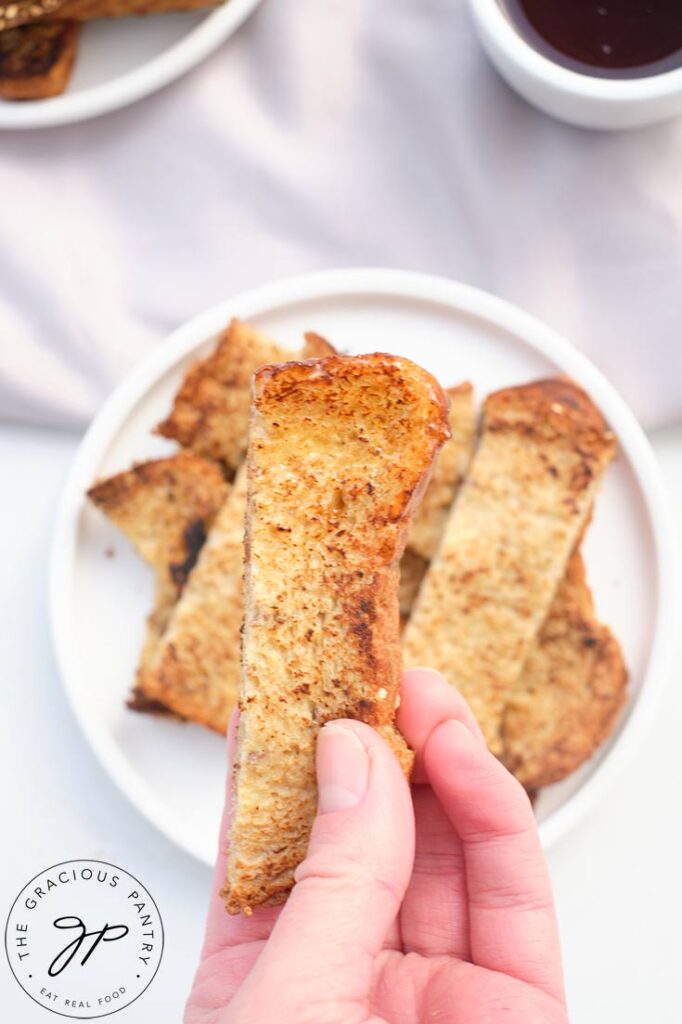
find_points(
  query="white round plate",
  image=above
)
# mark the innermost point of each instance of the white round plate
(120, 60)
(101, 592)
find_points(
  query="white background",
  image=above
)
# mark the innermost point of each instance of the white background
(617, 879)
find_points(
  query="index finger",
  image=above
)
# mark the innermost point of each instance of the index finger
(512, 925)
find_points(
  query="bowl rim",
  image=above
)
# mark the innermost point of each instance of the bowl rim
(198, 330)
(494, 23)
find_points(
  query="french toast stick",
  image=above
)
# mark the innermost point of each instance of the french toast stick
(211, 409)
(165, 507)
(36, 60)
(570, 691)
(339, 452)
(543, 450)
(572, 686)
(194, 667)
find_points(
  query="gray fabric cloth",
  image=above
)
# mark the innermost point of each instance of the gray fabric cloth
(332, 133)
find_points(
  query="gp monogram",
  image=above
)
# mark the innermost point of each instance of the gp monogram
(84, 938)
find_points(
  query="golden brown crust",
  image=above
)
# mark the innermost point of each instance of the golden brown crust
(547, 410)
(339, 452)
(36, 60)
(570, 691)
(543, 449)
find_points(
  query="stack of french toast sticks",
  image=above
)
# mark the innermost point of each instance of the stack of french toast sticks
(39, 39)
(386, 523)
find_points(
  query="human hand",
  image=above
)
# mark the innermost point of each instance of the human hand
(426, 905)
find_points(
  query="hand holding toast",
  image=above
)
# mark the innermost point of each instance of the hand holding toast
(429, 904)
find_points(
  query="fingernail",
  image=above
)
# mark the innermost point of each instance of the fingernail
(342, 769)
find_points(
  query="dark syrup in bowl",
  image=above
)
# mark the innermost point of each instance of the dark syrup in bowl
(604, 38)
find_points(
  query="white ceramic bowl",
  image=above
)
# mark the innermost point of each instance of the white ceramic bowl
(579, 99)
(121, 60)
(101, 592)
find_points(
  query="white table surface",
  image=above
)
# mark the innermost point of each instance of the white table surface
(617, 878)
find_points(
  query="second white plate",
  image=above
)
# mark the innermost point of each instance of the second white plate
(101, 592)
(120, 60)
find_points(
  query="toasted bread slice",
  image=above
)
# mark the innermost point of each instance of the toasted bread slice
(36, 60)
(194, 668)
(211, 410)
(165, 507)
(22, 12)
(571, 688)
(451, 465)
(572, 685)
(339, 452)
(570, 692)
(543, 450)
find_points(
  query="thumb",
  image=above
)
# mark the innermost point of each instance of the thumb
(351, 884)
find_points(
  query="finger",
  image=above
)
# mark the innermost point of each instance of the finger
(434, 918)
(223, 930)
(426, 700)
(351, 884)
(512, 926)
